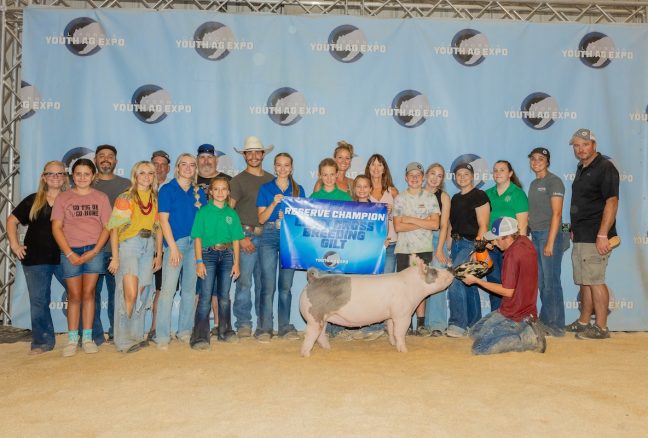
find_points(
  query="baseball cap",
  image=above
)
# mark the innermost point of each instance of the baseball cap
(414, 166)
(541, 150)
(584, 134)
(466, 166)
(106, 146)
(161, 154)
(502, 226)
(206, 149)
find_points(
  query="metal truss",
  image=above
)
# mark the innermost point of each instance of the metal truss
(11, 13)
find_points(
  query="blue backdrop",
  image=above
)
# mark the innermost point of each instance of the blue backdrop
(420, 89)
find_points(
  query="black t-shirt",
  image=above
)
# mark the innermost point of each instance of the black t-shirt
(39, 240)
(204, 182)
(592, 186)
(463, 218)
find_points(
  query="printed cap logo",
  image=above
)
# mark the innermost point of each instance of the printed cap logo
(85, 34)
(346, 42)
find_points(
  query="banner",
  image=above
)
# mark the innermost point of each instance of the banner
(335, 236)
(426, 90)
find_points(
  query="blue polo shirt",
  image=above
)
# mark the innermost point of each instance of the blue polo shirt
(181, 207)
(267, 193)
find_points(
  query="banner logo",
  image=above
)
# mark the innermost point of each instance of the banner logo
(214, 41)
(286, 106)
(410, 109)
(31, 101)
(84, 36)
(467, 46)
(74, 154)
(347, 43)
(151, 104)
(539, 111)
(639, 116)
(479, 165)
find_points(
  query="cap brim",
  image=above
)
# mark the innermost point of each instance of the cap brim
(490, 236)
(267, 149)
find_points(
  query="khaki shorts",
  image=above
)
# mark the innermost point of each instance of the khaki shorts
(589, 265)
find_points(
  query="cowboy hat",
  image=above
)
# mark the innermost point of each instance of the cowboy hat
(252, 143)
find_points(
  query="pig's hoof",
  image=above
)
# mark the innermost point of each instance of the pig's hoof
(305, 353)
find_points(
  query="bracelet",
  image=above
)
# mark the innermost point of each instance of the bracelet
(67, 256)
(199, 261)
(602, 235)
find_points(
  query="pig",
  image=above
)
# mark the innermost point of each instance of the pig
(359, 300)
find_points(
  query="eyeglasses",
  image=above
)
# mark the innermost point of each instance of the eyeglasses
(54, 174)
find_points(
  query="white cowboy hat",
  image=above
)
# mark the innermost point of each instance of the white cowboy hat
(252, 143)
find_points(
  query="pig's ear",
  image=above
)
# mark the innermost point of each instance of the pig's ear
(312, 274)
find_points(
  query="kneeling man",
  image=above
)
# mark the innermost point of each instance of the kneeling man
(513, 326)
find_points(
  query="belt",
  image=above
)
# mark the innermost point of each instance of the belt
(145, 234)
(257, 231)
(457, 236)
(220, 247)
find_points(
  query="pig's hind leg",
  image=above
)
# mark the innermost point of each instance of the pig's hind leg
(311, 334)
(400, 330)
(390, 331)
(323, 339)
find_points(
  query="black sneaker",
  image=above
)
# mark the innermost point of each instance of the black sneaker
(576, 327)
(594, 332)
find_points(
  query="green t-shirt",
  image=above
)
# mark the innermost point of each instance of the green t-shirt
(335, 195)
(508, 204)
(214, 225)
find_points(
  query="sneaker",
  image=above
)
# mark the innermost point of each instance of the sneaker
(151, 336)
(185, 339)
(541, 341)
(291, 335)
(201, 345)
(244, 332)
(214, 331)
(410, 332)
(423, 331)
(70, 349)
(550, 331)
(436, 333)
(263, 338)
(111, 339)
(90, 347)
(373, 335)
(594, 332)
(134, 348)
(231, 337)
(345, 335)
(576, 327)
(455, 332)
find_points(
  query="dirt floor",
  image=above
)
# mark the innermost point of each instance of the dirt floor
(576, 389)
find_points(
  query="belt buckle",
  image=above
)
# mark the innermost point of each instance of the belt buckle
(145, 234)
(258, 231)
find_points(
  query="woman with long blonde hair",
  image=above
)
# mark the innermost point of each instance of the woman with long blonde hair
(179, 201)
(136, 243)
(39, 254)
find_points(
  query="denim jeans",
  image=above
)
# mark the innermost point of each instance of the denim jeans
(250, 270)
(269, 258)
(39, 282)
(495, 276)
(390, 259)
(187, 292)
(436, 307)
(135, 258)
(97, 326)
(217, 281)
(552, 312)
(495, 333)
(463, 300)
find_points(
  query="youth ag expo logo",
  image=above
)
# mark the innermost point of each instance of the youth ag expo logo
(410, 109)
(345, 43)
(151, 103)
(331, 259)
(84, 36)
(597, 50)
(214, 41)
(639, 116)
(539, 111)
(469, 47)
(479, 165)
(72, 155)
(287, 106)
(31, 101)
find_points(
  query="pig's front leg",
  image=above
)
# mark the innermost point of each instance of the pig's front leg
(400, 330)
(313, 330)
(390, 331)
(323, 339)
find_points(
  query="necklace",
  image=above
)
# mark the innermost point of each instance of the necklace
(145, 209)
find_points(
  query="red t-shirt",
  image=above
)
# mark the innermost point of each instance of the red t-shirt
(520, 272)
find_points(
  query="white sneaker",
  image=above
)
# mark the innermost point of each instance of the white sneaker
(70, 349)
(90, 347)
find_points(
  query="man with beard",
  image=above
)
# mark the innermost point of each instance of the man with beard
(112, 185)
(244, 189)
(207, 171)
